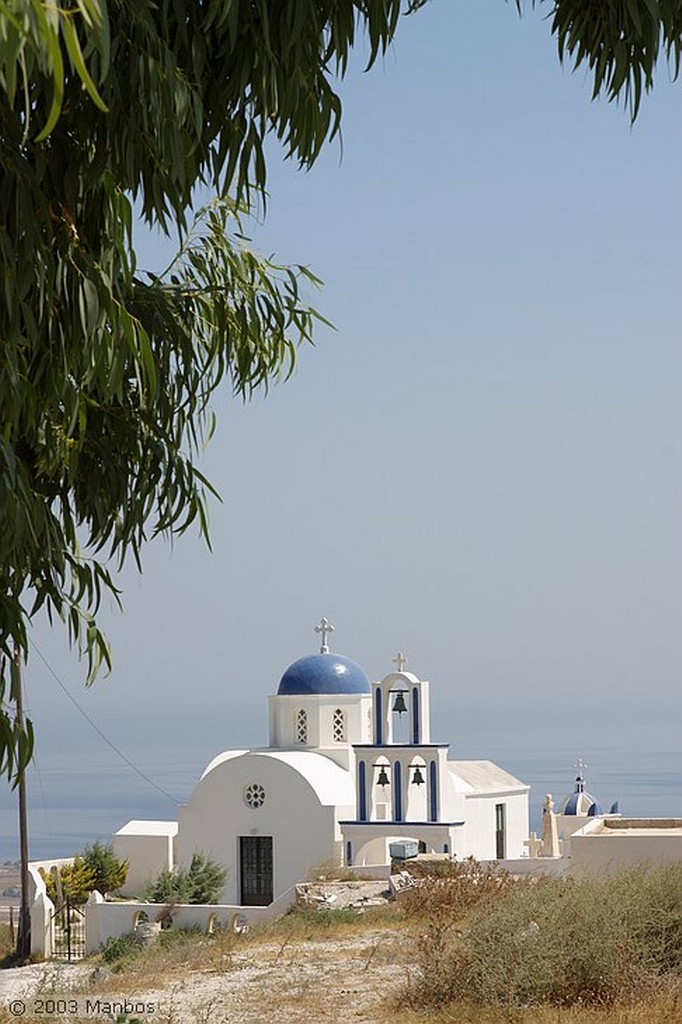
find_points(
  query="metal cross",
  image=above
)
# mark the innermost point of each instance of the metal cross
(580, 765)
(400, 660)
(325, 627)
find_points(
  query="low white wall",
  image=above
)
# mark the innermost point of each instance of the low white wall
(110, 920)
(554, 866)
(598, 852)
(36, 884)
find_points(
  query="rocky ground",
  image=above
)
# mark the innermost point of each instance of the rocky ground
(310, 975)
(318, 980)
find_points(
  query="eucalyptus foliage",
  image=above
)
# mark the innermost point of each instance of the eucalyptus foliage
(619, 42)
(106, 373)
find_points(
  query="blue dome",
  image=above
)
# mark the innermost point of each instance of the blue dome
(581, 803)
(324, 673)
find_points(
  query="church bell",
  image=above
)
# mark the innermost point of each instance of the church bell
(383, 779)
(418, 778)
(399, 704)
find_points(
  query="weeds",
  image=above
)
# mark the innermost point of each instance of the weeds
(561, 942)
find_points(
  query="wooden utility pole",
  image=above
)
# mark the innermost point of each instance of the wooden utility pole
(24, 932)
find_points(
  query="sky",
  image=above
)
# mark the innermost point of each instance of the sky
(479, 466)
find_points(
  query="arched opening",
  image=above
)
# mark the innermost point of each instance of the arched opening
(416, 785)
(381, 789)
(400, 713)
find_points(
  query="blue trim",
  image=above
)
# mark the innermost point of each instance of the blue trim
(402, 824)
(408, 746)
(415, 715)
(433, 791)
(362, 792)
(446, 848)
(349, 853)
(377, 717)
(397, 792)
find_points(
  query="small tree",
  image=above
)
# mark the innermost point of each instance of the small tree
(205, 879)
(75, 882)
(108, 870)
(200, 883)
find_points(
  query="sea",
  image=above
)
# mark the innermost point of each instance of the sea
(76, 797)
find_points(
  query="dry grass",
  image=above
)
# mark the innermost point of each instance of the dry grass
(6, 947)
(552, 942)
(665, 1008)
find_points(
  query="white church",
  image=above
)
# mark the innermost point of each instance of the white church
(351, 775)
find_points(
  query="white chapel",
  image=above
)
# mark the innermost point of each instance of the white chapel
(351, 772)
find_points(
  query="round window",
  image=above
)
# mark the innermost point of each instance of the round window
(254, 795)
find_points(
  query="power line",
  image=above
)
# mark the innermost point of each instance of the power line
(97, 729)
(36, 764)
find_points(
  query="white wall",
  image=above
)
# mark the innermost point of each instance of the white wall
(477, 837)
(110, 920)
(320, 717)
(147, 856)
(597, 850)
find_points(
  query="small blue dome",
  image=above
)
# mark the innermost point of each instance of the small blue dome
(324, 673)
(581, 803)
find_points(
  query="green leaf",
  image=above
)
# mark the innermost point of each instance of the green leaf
(74, 50)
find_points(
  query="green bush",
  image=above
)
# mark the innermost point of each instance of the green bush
(200, 883)
(76, 881)
(558, 941)
(120, 951)
(108, 870)
(97, 867)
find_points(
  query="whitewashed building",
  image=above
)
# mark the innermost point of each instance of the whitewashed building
(351, 773)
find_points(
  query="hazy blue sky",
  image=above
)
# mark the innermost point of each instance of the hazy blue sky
(481, 465)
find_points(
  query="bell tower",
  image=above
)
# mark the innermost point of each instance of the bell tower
(401, 777)
(397, 694)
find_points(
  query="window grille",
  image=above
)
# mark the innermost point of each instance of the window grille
(339, 726)
(302, 726)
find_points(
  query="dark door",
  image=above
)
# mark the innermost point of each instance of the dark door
(500, 831)
(255, 859)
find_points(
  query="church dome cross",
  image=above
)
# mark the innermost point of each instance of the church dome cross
(325, 628)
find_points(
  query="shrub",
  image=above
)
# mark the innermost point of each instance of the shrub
(452, 889)
(558, 941)
(120, 951)
(97, 867)
(200, 883)
(108, 870)
(76, 881)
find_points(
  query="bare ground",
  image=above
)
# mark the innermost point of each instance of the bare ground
(317, 981)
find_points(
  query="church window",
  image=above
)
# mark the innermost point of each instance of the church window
(254, 795)
(302, 726)
(339, 726)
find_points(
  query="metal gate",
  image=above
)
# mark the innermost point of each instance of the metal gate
(256, 870)
(69, 931)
